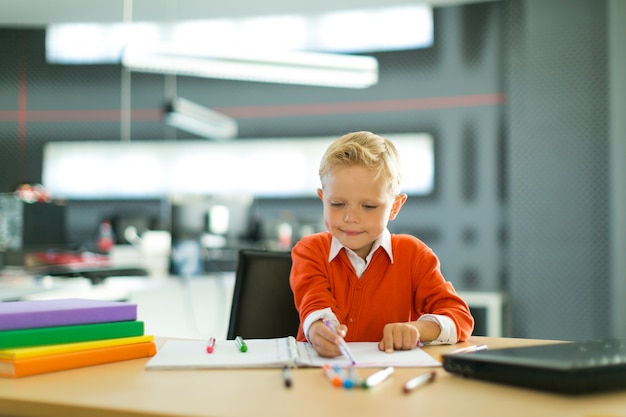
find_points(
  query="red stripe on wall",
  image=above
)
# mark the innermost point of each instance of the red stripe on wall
(71, 116)
(380, 106)
(260, 112)
(107, 115)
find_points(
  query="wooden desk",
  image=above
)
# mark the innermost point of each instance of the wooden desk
(126, 389)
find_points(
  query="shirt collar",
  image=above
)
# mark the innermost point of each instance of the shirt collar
(383, 241)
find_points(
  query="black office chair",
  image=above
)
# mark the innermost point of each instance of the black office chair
(263, 305)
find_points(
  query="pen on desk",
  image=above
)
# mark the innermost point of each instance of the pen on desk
(378, 377)
(343, 346)
(346, 376)
(354, 377)
(241, 344)
(467, 349)
(333, 376)
(287, 376)
(418, 381)
(211, 345)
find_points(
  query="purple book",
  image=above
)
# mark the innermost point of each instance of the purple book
(63, 312)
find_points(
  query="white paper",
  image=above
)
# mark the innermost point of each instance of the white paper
(273, 353)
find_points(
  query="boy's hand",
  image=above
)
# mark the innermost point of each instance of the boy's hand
(399, 336)
(324, 340)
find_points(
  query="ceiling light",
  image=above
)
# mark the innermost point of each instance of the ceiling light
(194, 118)
(284, 67)
(397, 28)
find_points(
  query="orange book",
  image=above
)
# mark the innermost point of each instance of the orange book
(70, 360)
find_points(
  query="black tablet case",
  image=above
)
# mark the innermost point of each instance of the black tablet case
(569, 367)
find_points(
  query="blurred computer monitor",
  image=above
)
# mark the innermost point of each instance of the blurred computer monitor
(226, 216)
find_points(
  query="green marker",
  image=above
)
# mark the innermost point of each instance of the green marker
(241, 344)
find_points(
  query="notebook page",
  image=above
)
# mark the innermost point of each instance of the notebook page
(192, 354)
(367, 355)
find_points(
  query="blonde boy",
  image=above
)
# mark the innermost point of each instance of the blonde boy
(372, 285)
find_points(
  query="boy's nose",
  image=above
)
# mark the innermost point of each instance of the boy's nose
(349, 216)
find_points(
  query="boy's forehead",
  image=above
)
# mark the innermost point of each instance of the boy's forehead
(349, 181)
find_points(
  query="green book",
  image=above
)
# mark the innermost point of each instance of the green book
(68, 334)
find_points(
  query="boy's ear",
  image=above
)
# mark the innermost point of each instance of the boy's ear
(397, 204)
(320, 194)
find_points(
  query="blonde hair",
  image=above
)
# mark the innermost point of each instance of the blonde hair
(367, 149)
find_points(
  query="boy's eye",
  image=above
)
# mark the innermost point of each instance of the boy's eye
(369, 206)
(336, 204)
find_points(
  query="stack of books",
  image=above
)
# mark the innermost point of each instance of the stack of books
(43, 336)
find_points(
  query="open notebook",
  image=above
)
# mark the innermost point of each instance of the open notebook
(275, 353)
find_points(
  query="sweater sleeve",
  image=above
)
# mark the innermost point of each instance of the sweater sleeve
(308, 278)
(434, 295)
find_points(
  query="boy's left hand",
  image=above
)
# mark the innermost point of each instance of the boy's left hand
(399, 336)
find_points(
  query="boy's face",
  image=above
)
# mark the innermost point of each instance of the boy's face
(357, 208)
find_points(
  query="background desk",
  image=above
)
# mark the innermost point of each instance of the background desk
(197, 307)
(125, 389)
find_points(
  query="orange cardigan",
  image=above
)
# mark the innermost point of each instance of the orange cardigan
(386, 292)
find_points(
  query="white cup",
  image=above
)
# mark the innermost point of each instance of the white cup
(156, 248)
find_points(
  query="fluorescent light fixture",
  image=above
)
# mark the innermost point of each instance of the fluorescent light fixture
(282, 167)
(194, 118)
(397, 28)
(284, 67)
(92, 43)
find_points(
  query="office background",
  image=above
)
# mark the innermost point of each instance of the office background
(522, 97)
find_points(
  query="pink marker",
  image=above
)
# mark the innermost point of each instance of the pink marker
(209, 349)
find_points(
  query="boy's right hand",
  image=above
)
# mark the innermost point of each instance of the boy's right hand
(324, 340)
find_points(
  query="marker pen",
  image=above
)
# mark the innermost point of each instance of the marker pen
(333, 376)
(343, 346)
(418, 381)
(469, 349)
(287, 376)
(241, 344)
(378, 377)
(211, 345)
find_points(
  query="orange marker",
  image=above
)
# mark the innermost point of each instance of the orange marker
(332, 376)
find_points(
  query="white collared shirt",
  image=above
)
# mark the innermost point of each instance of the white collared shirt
(359, 264)
(447, 335)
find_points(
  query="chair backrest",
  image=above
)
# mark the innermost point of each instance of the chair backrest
(263, 305)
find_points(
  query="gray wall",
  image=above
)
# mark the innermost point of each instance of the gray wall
(559, 172)
(515, 93)
(617, 89)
